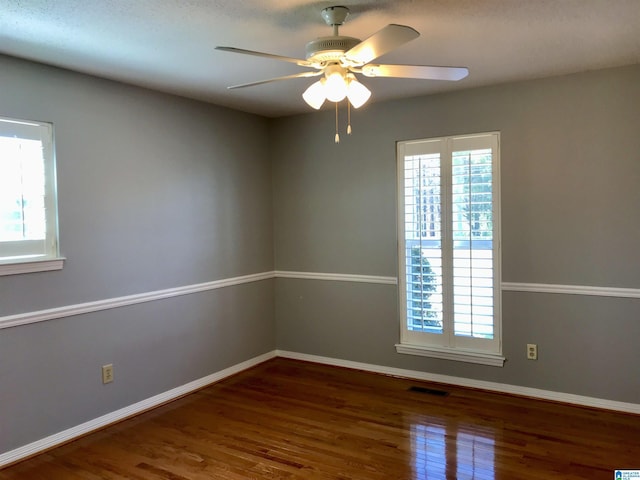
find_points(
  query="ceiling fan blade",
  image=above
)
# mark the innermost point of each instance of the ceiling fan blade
(286, 77)
(389, 38)
(425, 72)
(297, 61)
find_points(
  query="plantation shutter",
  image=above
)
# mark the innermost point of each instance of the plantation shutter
(448, 206)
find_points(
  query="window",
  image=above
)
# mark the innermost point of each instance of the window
(449, 260)
(28, 217)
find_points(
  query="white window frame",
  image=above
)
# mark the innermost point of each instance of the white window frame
(447, 345)
(26, 256)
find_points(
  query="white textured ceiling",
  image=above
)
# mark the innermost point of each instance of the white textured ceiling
(168, 45)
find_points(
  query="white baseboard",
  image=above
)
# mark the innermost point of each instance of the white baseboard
(73, 433)
(568, 398)
(65, 436)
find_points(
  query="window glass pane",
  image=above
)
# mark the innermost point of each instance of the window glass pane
(472, 230)
(423, 247)
(28, 223)
(22, 190)
(472, 194)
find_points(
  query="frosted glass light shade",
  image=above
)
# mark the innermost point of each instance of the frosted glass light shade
(315, 95)
(357, 93)
(335, 87)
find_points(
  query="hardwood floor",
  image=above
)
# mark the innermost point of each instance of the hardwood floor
(293, 420)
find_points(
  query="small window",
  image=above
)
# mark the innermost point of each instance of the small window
(28, 210)
(449, 259)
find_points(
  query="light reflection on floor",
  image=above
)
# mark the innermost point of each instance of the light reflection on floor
(465, 451)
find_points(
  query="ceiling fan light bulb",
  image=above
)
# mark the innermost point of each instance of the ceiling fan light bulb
(335, 87)
(357, 93)
(315, 95)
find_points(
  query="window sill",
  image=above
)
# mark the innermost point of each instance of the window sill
(467, 356)
(31, 265)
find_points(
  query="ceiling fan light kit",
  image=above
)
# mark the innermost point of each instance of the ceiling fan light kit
(335, 86)
(338, 58)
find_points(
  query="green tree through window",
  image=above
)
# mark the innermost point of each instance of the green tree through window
(423, 284)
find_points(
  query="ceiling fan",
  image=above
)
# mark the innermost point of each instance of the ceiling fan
(338, 58)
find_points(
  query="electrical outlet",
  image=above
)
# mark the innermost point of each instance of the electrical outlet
(532, 351)
(107, 373)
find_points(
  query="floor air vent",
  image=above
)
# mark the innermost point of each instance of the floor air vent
(429, 391)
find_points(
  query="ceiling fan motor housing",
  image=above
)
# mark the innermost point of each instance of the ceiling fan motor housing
(329, 49)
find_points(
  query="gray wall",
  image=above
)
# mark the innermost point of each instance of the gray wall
(154, 192)
(570, 153)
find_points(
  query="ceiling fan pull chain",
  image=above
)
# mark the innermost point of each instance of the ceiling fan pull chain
(337, 134)
(348, 117)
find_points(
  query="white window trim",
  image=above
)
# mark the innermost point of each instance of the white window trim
(50, 259)
(464, 351)
(456, 354)
(31, 266)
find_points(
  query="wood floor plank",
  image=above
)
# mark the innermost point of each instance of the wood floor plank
(294, 420)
